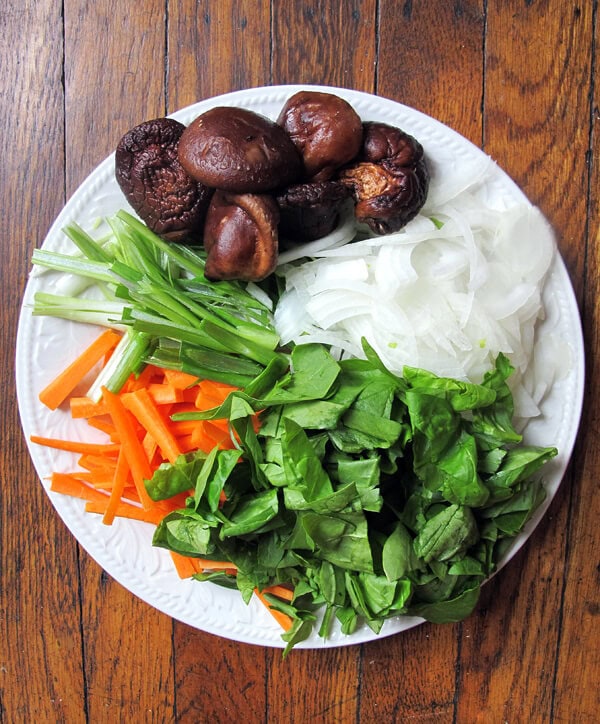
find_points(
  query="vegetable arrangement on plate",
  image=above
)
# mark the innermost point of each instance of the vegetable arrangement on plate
(328, 485)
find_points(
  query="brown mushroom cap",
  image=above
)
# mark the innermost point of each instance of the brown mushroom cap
(310, 211)
(240, 236)
(238, 150)
(390, 180)
(326, 130)
(156, 185)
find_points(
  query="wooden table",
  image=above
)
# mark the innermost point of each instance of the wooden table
(519, 79)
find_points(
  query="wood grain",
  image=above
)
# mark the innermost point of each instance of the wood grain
(577, 664)
(41, 669)
(328, 691)
(400, 684)
(518, 78)
(121, 82)
(431, 55)
(325, 43)
(537, 109)
(197, 36)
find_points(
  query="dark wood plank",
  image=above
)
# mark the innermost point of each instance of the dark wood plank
(431, 58)
(536, 57)
(315, 685)
(537, 108)
(508, 645)
(128, 653)
(114, 77)
(41, 676)
(578, 661)
(218, 679)
(325, 43)
(216, 48)
(127, 649)
(410, 676)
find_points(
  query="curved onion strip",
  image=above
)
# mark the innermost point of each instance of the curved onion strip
(447, 296)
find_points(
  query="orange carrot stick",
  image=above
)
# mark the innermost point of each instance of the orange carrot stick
(68, 485)
(124, 510)
(118, 486)
(144, 378)
(99, 424)
(136, 457)
(184, 565)
(83, 407)
(164, 393)
(76, 446)
(280, 591)
(207, 565)
(181, 380)
(143, 408)
(186, 444)
(184, 427)
(55, 393)
(98, 462)
(206, 436)
(285, 621)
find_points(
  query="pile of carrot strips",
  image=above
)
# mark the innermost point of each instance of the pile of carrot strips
(140, 436)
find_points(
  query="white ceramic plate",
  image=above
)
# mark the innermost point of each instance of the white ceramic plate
(124, 550)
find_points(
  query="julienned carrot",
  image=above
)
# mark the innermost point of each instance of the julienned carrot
(209, 434)
(61, 483)
(104, 426)
(280, 591)
(184, 565)
(181, 380)
(165, 393)
(76, 446)
(118, 486)
(143, 379)
(97, 463)
(207, 565)
(83, 407)
(187, 566)
(136, 457)
(184, 427)
(55, 393)
(125, 510)
(137, 421)
(211, 394)
(141, 405)
(285, 621)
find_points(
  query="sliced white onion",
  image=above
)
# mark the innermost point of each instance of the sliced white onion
(447, 296)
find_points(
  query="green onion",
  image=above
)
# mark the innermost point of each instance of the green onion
(173, 316)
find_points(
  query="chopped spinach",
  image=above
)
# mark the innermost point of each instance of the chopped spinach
(369, 494)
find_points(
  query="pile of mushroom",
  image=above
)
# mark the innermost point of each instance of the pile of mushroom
(237, 181)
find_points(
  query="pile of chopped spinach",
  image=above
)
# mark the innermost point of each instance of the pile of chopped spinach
(371, 495)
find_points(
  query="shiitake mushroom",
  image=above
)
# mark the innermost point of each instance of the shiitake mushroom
(325, 129)
(290, 177)
(156, 185)
(240, 236)
(238, 150)
(311, 210)
(390, 179)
